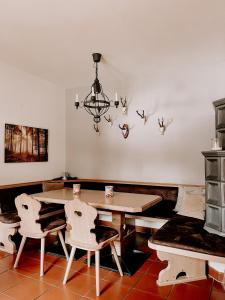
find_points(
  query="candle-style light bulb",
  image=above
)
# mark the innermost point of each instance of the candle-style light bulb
(116, 102)
(92, 91)
(116, 96)
(77, 101)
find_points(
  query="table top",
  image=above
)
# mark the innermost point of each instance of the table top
(126, 202)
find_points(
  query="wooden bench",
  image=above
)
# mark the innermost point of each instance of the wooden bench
(187, 247)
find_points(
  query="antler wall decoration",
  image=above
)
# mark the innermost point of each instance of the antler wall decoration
(125, 130)
(162, 126)
(143, 116)
(124, 105)
(109, 120)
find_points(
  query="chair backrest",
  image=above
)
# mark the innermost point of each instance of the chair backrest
(28, 210)
(49, 186)
(81, 219)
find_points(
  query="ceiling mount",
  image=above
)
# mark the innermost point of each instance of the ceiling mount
(96, 57)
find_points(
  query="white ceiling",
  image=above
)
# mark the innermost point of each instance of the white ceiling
(54, 39)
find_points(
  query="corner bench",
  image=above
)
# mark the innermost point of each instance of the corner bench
(187, 247)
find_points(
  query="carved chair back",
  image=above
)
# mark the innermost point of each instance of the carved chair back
(28, 210)
(81, 219)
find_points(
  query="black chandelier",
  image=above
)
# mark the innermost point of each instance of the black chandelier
(96, 103)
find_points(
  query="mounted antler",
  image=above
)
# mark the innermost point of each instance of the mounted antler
(161, 122)
(162, 126)
(125, 130)
(124, 105)
(109, 120)
(143, 116)
(123, 102)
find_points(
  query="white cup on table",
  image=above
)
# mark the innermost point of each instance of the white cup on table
(76, 189)
(109, 191)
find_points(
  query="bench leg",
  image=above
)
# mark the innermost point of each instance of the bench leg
(180, 269)
(6, 244)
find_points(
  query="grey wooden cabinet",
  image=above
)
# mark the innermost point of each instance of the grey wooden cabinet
(215, 191)
(215, 176)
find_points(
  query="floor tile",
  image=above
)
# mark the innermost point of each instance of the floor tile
(153, 256)
(30, 267)
(9, 279)
(76, 264)
(130, 281)
(218, 287)
(206, 283)
(188, 292)
(148, 284)
(8, 261)
(59, 294)
(27, 289)
(80, 283)
(217, 296)
(141, 295)
(4, 297)
(108, 291)
(53, 275)
(145, 266)
(155, 267)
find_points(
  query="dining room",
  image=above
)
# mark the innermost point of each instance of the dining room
(112, 139)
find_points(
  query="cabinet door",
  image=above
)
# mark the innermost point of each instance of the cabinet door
(221, 135)
(213, 192)
(214, 217)
(222, 167)
(212, 168)
(223, 219)
(220, 116)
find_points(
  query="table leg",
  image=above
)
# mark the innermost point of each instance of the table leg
(118, 222)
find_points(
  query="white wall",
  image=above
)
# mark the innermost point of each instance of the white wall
(182, 95)
(28, 100)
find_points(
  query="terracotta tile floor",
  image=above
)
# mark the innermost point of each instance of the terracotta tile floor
(24, 282)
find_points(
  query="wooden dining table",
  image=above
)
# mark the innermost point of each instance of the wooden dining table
(118, 205)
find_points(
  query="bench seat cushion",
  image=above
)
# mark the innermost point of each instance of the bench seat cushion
(188, 233)
(161, 210)
(104, 233)
(53, 224)
(50, 207)
(9, 218)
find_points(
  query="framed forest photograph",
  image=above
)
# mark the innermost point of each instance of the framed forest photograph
(25, 144)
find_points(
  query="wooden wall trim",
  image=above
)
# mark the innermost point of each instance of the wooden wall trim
(14, 185)
(135, 182)
(7, 186)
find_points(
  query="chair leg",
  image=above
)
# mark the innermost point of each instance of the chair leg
(69, 264)
(97, 265)
(63, 244)
(20, 251)
(89, 258)
(116, 258)
(42, 257)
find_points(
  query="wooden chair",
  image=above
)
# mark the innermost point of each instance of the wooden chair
(35, 224)
(83, 234)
